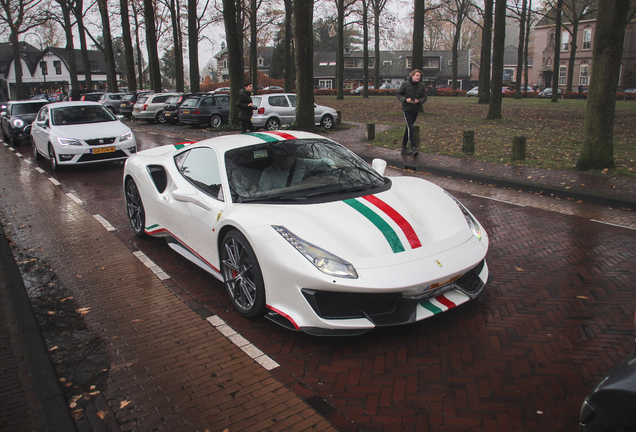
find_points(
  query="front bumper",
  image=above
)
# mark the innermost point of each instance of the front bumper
(77, 155)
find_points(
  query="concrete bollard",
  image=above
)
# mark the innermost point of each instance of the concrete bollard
(339, 117)
(370, 132)
(468, 145)
(518, 148)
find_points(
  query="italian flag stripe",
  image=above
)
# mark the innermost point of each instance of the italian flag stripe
(264, 136)
(388, 232)
(406, 227)
(439, 304)
(431, 307)
(284, 135)
(445, 301)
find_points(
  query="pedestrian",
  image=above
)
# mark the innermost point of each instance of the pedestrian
(246, 106)
(412, 94)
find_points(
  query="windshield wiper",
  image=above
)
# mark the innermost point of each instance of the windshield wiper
(342, 190)
(274, 198)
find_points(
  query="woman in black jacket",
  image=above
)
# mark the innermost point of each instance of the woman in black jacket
(412, 94)
(246, 106)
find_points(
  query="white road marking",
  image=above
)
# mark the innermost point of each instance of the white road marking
(158, 271)
(55, 182)
(40, 170)
(18, 154)
(74, 198)
(611, 224)
(104, 222)
(257, 355)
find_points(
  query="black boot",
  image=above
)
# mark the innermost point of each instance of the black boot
(406, 151)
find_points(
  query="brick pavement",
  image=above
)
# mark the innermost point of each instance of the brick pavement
(171, 369)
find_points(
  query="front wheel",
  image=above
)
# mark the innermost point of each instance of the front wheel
(272, 124)
(36, 153)
(242, 275)
(326, 122)
(215, 121)
(135, 208)
(53, 159)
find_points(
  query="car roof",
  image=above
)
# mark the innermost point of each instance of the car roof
(42, 101)
(73, 103)
(230, 142)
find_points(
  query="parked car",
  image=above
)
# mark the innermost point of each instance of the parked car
(69, 133)
(17, 119)
(443, 86)
(210, 110)
(547, 93)
(472, 92)
(306, 248)
(220, 90)
(279, 109)
(610, 405)
(44, 96)
(171, 107)
(389, 86)
(150, 107)
(92, 97)
(112, 101)
(273, 88)
(358, 90)
(128, 102)
(629, 90)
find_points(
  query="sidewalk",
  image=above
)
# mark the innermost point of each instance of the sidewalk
(173, 366)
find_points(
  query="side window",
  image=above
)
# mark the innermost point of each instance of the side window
(160, 99)
(207, 102)
(200, 166)
(280, 101)
(43, 115)
(222, 101)
(292, 100)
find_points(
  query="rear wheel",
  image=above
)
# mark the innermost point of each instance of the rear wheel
(215, 121)
(242, 275)
(135, 208)
(272, 124)
(161, 119)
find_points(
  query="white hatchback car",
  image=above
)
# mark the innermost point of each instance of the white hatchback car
(278, 109)
(69, 133)
(150, 107)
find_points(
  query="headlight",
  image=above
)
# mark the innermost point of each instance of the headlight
(18, 123)
(323, 260)
(470, 220)
(68, 141)
(127, 136)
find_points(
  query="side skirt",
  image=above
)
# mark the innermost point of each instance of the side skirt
(183, 251)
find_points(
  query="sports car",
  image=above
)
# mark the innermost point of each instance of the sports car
(304, 232)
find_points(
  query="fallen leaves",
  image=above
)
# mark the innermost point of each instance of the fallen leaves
(124, 404)
(83, 311)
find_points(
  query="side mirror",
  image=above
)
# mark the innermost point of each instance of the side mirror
(119, 117)
(3, 114)
(379, 165)
(189, 195)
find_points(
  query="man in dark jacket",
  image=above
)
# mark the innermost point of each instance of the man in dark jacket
(246, 106)
(412, 94)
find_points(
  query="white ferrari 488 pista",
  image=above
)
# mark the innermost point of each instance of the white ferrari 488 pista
(303, 231)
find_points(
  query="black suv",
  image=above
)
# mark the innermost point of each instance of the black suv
(16, 121)
(204, 110)
(171, 107)
(128, 102)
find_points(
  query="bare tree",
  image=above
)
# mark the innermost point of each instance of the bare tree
(128, 47)
(557, 53)
(343, 9)
(521, 48)
(484, 62)
(499, 39)
(378, 7)
(78, 11)
(456, 13)
(177, 39)
(151, 43)
(234, 37)
(303, 35)
(289, 61)
(417, 59)
(597, 151)
(365, 53)
(111, 73)
(67, 26)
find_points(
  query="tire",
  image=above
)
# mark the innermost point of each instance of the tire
(36, 153)
(215, 121)
(53, 159)
(135, 208)
(326, 121)
(161, 119)
(272, 124)
(242, 275)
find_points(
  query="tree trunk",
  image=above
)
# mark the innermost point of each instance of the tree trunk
(193, 45)
(557, 53)
(376, 67)
(253, 45)
(303, 34)
(339, 50)
(289, 61)
(128, 46)
(233, 36)
(484, 62)
(521, 50)
(70, 47)
(17, 65)
(365, 51)
(79, 16)
(456, 36)
(151, 43)
(140, 59)
(597, 151)
(525, 51)
(573, 48)
(175, 16)
(418, 35)
(494, 107)
(111, 72)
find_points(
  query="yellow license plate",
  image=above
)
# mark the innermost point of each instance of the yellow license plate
(103, 150)
(167, 114)
(137, 109)
(186, 111)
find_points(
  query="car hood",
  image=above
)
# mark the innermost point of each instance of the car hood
(28, 118)
(93, 130)
(412, 220)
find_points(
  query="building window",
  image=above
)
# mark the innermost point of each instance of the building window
(350, 63)
(260, 61)
(587, 39)
(409, 62)
(94, 67)
(225, 64)
(324, 83)
(44, 67)
(565, 39)
(58, 67)
(432, 63)
(584, 77)
(562, 74)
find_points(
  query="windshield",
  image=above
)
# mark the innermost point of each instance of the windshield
(26, 108)
(297, 170)
(142, 99)
(72, 115)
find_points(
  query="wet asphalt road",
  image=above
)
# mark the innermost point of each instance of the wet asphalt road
(520, 357)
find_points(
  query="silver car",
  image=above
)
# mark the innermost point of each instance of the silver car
(111, 101)
(279, 109)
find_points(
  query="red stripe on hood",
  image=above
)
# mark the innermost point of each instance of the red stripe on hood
(406, 227)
